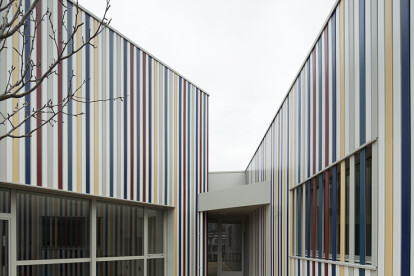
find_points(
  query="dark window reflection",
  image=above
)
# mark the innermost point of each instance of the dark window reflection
(155, 267)
(115, 268)
(119, 230)
(52, 227)
(4, 200)
(79, 269)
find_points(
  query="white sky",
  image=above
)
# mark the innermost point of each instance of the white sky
(244, 53)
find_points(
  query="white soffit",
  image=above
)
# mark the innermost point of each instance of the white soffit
(242, 196)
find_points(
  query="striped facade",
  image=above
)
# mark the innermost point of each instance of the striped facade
(150, 147)
(338, 153)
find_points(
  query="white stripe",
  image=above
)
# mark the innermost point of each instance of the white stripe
(396, 140)
(356, 68)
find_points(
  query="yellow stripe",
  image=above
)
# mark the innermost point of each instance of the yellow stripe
(15, 102)
(155, 133)
(175, 174)
(96, 108)
(79, 104)
(388, 138)
(342, 32)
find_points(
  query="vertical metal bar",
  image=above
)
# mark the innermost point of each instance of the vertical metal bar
(13, 231)
(93, 237)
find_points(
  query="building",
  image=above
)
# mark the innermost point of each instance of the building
(125, 189)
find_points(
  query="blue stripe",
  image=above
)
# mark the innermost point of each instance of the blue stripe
(88, 108)
(111, 113)
(150, 128)
(138, 130)
(334, 87)
(70, 91)
(27, 125)
(165, 133)
(125, 120)
(405, 139)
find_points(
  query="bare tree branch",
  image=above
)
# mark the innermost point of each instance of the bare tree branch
(14, 20)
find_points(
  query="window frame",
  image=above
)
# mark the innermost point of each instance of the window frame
(92, 199)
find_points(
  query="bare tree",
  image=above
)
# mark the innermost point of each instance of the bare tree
(16, 19)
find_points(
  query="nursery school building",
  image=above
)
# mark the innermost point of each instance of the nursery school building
(125, 189)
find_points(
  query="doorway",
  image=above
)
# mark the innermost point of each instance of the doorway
(4, 247)
(225, 247)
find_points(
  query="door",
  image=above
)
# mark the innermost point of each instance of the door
(225, 248)
(4, 247)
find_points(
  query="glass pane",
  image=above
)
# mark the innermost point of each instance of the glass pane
(4, 200)
(155, 231)
(232, 247)
(79, 269)
(125, 268)
(155, 267)
(4, 247)
(52, 227)
(119, 230)
(212, 244)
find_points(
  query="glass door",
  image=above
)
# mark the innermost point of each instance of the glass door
(225, 248)
(4, 248)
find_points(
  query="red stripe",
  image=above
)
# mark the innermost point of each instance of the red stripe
(39, 91)
(132, 121)
(144, 57)
(314, 110)
(60, 84)
(184, 165)
(314, 224)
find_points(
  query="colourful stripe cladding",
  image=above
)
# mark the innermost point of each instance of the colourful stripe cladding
(333, 92)
(152, 147)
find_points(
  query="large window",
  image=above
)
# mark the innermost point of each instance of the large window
(119, 230)
(52, 227)
(78, 236)
(322, 211)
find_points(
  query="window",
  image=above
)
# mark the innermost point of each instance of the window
(119, 230)
(52, 227)
(4, 200)
(155, 232)
(129, 239)
(322, 210)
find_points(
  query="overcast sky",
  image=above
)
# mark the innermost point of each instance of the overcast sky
(244, 53)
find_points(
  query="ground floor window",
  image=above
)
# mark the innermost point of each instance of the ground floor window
(56, 234)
